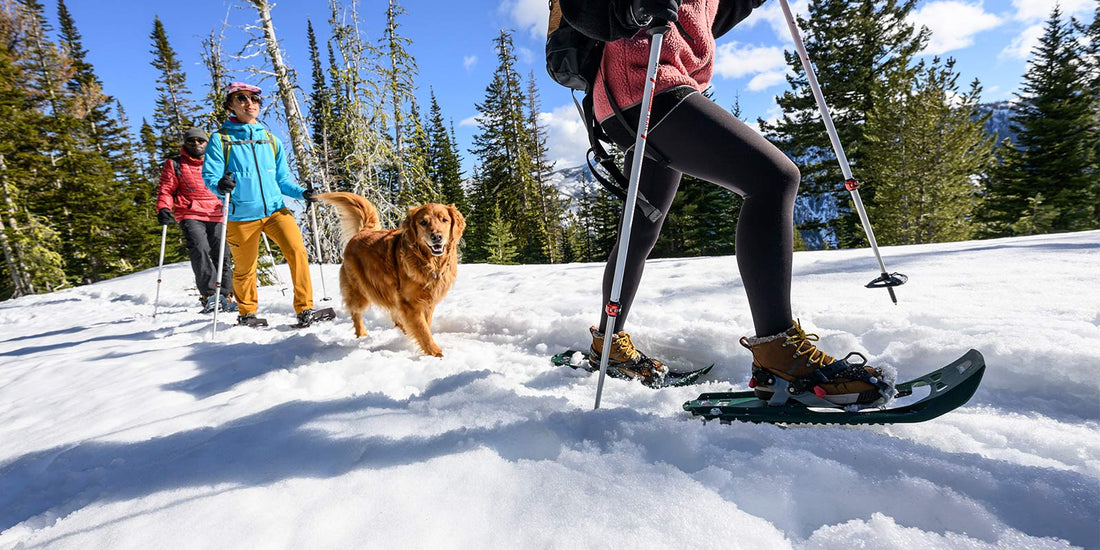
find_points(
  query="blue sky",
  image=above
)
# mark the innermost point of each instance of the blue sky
(452, 44)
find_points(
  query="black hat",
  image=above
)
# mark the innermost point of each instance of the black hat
(194, 133)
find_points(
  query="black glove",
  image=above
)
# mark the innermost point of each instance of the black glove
(226, 184)
(645, 11)
(310, 195)
(164, 216)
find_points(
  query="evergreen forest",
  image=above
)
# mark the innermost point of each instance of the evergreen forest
(79, 178)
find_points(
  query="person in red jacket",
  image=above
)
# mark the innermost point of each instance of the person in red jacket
(184, 198)
(690, 134)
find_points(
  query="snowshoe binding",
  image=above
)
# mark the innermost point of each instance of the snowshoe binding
(307, 317)
(789, 366)
(250, 320)
(626, 360)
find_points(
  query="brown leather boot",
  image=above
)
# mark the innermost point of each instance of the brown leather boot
(791, 356)
(625, 358)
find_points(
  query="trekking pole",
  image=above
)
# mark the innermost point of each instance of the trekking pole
(317, 246)
(887, 281)
(160, 268)
(271, 257)
(657, 35)
(221, 265)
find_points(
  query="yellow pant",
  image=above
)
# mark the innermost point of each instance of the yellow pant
(244, 244)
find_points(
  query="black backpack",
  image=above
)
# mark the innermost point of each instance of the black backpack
(572, 58)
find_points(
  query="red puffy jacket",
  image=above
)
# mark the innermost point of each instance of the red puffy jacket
(187, 196)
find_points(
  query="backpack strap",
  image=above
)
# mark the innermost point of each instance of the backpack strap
(268, 139)
(225, 149)
(175, 162)
(597, 153)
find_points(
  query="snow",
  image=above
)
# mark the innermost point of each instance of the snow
(120, 430)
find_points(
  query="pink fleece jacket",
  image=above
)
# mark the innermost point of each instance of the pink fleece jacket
(682, 62)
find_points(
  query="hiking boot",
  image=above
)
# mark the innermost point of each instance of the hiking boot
(305, 318)
(250, 320)
(792, 356)
(226, 304)
(625, 358)
(209, 304)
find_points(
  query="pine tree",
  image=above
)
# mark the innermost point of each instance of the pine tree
(444, 163)
(1091, 58)
(1055, 153)
(175, 112)
(77, 179)
(320, 103)
(551, 208)
(503, 147)
(31, 261)
(926, 147)
(127, 197)
(500, 238)
(421, 187)
(875, 39)
(148, 150)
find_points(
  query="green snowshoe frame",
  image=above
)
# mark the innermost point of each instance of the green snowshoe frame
(949, 388)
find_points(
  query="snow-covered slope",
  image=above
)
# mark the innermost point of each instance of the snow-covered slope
(118, 430)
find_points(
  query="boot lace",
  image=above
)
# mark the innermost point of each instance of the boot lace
(626, 347)
(803, 346)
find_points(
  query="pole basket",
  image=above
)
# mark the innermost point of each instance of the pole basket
(886, 281)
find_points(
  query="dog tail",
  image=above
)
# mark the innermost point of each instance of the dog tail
(356, 213)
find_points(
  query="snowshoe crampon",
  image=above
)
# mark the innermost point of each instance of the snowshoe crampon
(579, 360)
(949, 388)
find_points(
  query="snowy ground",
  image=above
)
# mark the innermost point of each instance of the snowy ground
(118, 430)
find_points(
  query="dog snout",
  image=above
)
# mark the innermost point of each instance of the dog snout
(437, 238)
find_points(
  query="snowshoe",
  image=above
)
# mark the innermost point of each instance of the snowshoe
(579, 360)
(949, 388)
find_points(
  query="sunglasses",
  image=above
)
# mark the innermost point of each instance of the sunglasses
(243, 99)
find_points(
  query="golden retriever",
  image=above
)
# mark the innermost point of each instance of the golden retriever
(407, 270)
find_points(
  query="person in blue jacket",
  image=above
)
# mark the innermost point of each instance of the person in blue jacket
(249, 164)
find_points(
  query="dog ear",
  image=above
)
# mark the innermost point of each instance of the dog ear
(458, 223)
(407, 223)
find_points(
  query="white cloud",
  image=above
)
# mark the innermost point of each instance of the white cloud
(566, 139)
(469, 121)
(529, 15)
(1039, 10)
(772, 14)
(469, 61)
(765, 64)
(763, 81)
(953, 24)
(1021, 46)
(525, 55)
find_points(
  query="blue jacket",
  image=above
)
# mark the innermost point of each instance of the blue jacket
(262, 174)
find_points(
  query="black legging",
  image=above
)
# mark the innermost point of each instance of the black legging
(701, 139)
